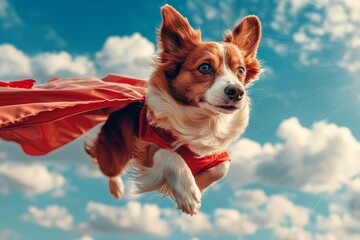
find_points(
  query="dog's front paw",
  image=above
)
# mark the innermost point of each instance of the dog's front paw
(116, 187)
(188, 200)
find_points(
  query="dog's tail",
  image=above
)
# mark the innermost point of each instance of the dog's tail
(91, 138)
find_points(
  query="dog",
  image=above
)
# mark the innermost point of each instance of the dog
(196, 105)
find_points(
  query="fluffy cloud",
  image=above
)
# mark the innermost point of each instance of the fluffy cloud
(197, 224)
(52, 216)
(329, 21)
(275, 212)
(293, 233)
(265, 212)
(251, 211)
(305, 160)
(233, 222)
(85, 237)
(132, 219)
(326, 236)
(138, 219)
(274, 216)
(13, 63)
(340, 225)
(147, 219)
(343, 220)
(352, 198)
(249, 199)
(128, 55)
(62, 64)
(31, 179)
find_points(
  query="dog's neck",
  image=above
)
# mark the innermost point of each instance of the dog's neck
(204, 132)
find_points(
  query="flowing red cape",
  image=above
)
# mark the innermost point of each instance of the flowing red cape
(46, 117)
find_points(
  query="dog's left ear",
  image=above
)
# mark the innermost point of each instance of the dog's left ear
(246, 36)
(176, 40)
(176, 33)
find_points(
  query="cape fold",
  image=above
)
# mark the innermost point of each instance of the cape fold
(45, 117)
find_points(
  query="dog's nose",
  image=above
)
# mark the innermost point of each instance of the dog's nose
(233, 92)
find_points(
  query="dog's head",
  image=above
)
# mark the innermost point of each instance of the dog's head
(210, 75)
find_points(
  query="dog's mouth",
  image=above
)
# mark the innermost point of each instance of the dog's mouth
(227, 107)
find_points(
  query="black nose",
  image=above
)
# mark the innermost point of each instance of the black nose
(234, 92)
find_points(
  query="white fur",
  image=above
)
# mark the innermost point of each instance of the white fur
(172, 176)
(116, 187)
(203, 129)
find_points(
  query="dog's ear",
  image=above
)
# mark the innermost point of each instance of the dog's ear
(176, 33)
(246, 36)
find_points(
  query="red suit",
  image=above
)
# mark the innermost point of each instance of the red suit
(46, 117)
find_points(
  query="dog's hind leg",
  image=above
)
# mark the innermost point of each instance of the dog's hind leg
(112, 147)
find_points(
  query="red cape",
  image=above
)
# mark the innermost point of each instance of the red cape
(44, 118)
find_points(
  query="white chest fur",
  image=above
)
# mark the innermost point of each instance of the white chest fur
(204, 131)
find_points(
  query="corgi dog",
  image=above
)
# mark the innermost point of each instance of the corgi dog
(196, 105)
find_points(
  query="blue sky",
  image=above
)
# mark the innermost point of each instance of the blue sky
(295, 173)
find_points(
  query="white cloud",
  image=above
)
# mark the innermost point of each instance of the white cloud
(343, 220)
(273, 216)
(86, 237)
(249, 199)
(13, 63)
(293, 233)
(197, 224)
(326, 236)
(8, 15)
(305, 160)
(132, 219)
(331, 21)
(52, 216)
(253, 210)
(286, 219)
(351, 198)
(31, 179)
(129, 55)
(62, 64)
(232, 222)
(223, 221)
(351, 60)
(342, 226)
(284, 14)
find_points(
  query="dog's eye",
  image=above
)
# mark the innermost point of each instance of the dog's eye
(240, 71)
(205, 68)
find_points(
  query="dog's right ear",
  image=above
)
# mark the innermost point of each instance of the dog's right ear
(176, 33)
